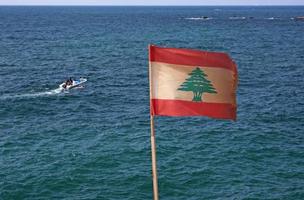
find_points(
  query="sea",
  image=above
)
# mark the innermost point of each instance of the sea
(94, 142)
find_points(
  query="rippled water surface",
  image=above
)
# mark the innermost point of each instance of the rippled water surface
(94, 142)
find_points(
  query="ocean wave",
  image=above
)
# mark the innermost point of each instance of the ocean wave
(235, 17)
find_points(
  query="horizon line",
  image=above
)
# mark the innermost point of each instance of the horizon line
(145, 5)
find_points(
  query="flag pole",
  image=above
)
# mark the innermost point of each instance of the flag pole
(153, 145)
(154, 166)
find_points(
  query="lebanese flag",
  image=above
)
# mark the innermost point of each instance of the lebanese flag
(186, 82)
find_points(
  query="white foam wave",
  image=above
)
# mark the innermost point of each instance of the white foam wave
(31, 95)
(237, 17)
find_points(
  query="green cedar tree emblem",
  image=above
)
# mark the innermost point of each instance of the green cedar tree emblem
(198, 84)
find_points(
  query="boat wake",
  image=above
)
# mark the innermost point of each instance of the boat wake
(32, 95)
(77, 84)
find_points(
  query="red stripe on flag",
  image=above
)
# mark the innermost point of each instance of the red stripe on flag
(191, 57)
(166, 107)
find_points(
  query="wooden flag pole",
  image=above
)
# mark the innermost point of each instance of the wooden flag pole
(153, 145)
(154, 166)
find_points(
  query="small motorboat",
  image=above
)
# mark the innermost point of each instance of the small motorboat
(299, 18)
(72, 84)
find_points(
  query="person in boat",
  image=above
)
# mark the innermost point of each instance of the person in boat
(69, 81)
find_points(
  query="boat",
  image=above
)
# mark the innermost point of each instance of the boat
(75, 83)
(199, 18)
(299, 18)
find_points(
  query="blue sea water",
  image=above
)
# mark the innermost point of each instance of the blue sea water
(94, 143)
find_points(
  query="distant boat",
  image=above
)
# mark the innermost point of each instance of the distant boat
(199, 18)
(299, 18)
